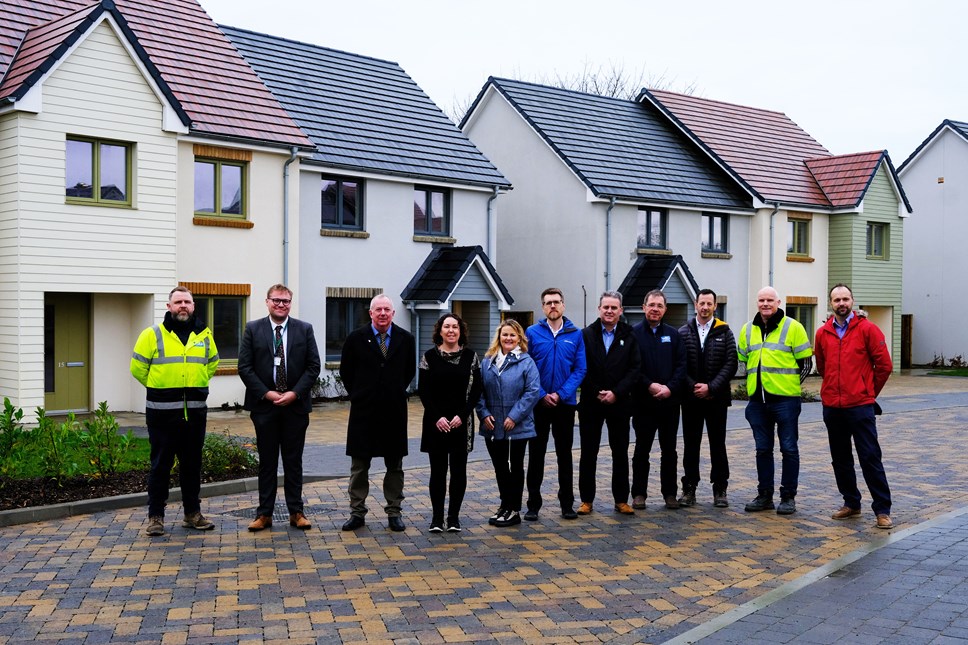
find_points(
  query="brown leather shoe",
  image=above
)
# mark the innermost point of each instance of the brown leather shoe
(671, 502)
(261, 522)
(845, 512)
(624, 509)
(585, 508)
(884, 521)
(299, 521)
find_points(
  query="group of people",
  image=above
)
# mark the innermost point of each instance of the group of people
(527, 389)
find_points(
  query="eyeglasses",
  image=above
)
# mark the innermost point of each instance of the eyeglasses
(553, 303)
(280, 302)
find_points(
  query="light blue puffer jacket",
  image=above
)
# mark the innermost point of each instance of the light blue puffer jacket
(512, 392)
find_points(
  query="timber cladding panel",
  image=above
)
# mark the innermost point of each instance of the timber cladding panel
(217, 152)
(217, 288)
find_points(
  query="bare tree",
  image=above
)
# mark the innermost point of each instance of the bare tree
(612, 80)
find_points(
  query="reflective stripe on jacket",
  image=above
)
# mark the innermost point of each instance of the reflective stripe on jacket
(776, 356)
(175, 375)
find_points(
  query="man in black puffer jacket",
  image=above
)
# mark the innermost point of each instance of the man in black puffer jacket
(710, 364)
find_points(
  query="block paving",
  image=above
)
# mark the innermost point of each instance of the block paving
(645, 578)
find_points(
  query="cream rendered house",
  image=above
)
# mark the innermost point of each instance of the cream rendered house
(121, 176)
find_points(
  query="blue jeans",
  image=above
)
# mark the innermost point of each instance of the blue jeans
(781, 414)
(844, 424)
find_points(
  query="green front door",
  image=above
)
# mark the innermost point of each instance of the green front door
(67, 342)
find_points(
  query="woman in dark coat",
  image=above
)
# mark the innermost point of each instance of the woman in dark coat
(449, 388)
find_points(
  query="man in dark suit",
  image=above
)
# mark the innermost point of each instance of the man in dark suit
(612, 360)
(279, 363)
(377, 365)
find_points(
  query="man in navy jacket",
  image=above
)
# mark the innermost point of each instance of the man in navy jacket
(662, 375)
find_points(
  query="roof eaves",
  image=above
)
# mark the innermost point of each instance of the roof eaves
(408, 175)
(646, 94)
(947, 123)
(896, 179)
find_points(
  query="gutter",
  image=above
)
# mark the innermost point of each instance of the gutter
(293, 151)
(776, 207)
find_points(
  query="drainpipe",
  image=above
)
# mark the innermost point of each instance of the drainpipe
(608, 241)
(490, 216)
(285, 215)
(776, 207)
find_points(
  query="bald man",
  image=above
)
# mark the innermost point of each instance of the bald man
(776, 352)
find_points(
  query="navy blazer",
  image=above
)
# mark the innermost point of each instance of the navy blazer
(256, 364)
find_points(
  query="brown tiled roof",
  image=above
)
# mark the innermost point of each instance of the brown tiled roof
(764, 150)
(844, 179)
(211, 83)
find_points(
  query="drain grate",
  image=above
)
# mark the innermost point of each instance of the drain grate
(280, 513)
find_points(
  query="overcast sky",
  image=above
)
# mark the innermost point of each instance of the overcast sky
(858, 75)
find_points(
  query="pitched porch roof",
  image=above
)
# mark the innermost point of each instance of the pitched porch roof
(655, 272)
(444, 268)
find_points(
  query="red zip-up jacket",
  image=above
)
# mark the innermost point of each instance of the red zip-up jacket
(855, 367)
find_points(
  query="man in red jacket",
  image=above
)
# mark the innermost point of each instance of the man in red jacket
(852, 356)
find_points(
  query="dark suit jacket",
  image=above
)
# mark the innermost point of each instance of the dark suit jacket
(256, 362)
(617, 370)
(663, 361)
(377, 388)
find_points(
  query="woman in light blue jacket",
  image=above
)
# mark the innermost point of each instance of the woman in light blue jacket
(511, 389)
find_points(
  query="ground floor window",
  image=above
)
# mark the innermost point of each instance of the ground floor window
(803, 314)
(225, 316)
(343, 315)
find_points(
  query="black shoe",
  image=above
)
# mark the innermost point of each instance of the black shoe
(510, 518)
(492, 520)
(437, 525)
(395, 522)
(671, 502)
(761, 503)
(453, 525)
(688, 498)
(569, 513)
(787, 506)
(531, 515)
(353, 523)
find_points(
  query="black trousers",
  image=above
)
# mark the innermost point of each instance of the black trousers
(280, 431)
(456, 457)
(696, 412)
(171, 435)
(508, 459)
(661, 418)
(590, 420)
(558, 421)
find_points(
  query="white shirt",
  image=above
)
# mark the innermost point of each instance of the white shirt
(285, 340)
(703, 330)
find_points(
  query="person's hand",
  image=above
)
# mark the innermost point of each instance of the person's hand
(285, 398)
(550, 400)
(701, 390)
(606, 397)
(443, 424)
(456, 422)
(663, 392)
(488, 422)
(509, 424)
(272, 396)
(654, 389)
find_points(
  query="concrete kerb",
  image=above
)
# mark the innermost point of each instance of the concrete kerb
(710, 627)
(35, 514)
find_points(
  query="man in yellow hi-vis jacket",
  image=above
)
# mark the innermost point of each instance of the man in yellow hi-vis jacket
(175, 361)
(776, 351)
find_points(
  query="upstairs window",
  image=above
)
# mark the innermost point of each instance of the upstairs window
(342, 203)
(798, 237)
(98, 172)
(877, 240)
(652, 228)
(715, 233)
(220, 188)
(431, 211)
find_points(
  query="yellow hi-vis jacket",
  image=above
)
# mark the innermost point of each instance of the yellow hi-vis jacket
(775, 356)
(175, 375)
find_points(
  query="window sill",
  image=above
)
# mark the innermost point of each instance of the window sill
(880, 258)
(224, 222)
(647, 251)
(228, 370)
(435, 239)
(80, 201)
(331, 365)
(337, 232)
(799, 258)
(716, 255)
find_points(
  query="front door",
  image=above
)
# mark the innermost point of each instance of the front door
(67, 341)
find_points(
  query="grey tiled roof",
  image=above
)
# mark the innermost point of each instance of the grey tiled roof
(362, 113)
(443, 269)
(960, 127)
(651, 272)
(621, 148)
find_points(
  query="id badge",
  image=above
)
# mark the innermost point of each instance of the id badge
(276, 361)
